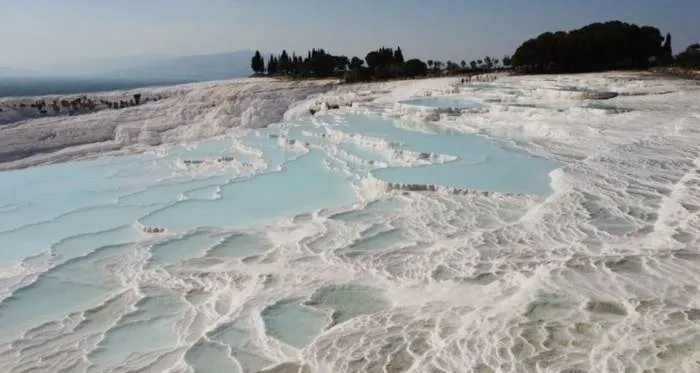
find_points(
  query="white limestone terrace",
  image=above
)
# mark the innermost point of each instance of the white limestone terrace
(168, 115)
(197, 111)
(598, 274)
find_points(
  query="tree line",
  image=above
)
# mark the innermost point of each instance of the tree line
(690, 58)
(598, 47)
(317, 63)
(595, 47)
(380, 64)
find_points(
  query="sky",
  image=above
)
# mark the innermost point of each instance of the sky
(46, 34)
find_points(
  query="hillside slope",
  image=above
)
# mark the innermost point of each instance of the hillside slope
(183, 112)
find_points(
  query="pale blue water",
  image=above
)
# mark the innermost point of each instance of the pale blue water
(146, 329)
(303, 185)
(293, 323)
(347, 301)
(208, 357)
(240, 245)
(184, 247)
(166, 291)
(481, 165)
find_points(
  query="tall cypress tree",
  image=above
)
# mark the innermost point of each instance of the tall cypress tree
(667, 49)
(272, 65)
(398, 55)
(283, 66)
(257, 63)
(294, 64)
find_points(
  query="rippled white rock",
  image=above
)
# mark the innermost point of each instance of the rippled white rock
(302, 258)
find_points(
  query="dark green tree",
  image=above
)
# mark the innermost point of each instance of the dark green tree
(488, 62)
(293, 64)
(690, 58)
(272, 65)
(356, 63)
(398, 56)
(415, 67)
(341, 62)
(373, 59)
(284, 63)
(463, 64)
(257, 63)
(596, 47)
(506, 60)
(667, 50)
(473, 65)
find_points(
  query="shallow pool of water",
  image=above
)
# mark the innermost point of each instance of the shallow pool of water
(480, 165)
(91, 223)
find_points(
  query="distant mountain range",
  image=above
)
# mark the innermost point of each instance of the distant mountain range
(189, 68)
(8, 72)
(148, 68)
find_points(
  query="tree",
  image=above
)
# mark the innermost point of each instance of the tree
(341, 62)
(506, 60)
(257, 63)
(463, 63)
(398, 55)
(383, 59)
(415, 67)
(372, 59)
(690, 57)
(356, 63)
(430, 63)
(472, 64)
(294, 64)
(667, 50)
(595, 47)
(272, 65)
(284, 63)
(488, 61)
(321, 63)
(452, 66)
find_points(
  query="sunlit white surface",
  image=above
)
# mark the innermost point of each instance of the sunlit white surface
(536, 233)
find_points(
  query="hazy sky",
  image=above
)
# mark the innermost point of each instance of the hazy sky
(40, 33)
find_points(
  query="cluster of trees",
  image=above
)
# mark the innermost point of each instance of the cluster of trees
(385, 63)
(487, 63)
(690, 57)
(317, 63)
(380, 64)
(601, 46)
(596, 47)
